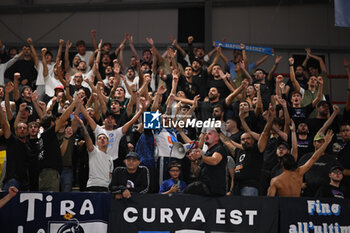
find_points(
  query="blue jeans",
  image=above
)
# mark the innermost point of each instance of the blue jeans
(9, 183)
(249, 191)
(66, 179)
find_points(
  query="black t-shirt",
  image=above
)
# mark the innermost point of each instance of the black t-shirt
(266, 91)
(248, 166)
(25, 68)
(300, 114)
(270, 157)
(237, 136)
(50, 153)
(215, 176)
(315, 124)
(220, 85)
(255, 123)
(201, 81)
(206, 108)
(305, 146)
(137, 182)
(318, 173)
(330, 191)
(17, 159)
(190, 89)
(34, 164)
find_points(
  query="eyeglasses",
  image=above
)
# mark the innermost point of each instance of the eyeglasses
(174, 170)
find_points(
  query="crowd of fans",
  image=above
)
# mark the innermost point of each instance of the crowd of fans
(69, 124)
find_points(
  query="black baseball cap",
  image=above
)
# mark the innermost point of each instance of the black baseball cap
(286, 144)
(336, 167)
(133, 155)
(324, 102)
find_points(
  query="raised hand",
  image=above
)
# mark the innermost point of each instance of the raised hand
(43, 105)
(245, 83)
(161, 90)
(35, 97)
(22, 107)
(257, 86)
(282, 85)
(68, 44)
(171, 97)
(100, 45)
(195, 101)
(30, 41)
(272, 111)
(94, 96)
(320, 80)
(13, 191)
(336, 108)
(308, 51)
(17, 76)
(147, 78)
(291, 61)
(123, 78)
(278, 59)
(150, 41)
(292, 125)
(175, 74)
(281, 101)
(328, 137)
(9, 87)
(43, 51)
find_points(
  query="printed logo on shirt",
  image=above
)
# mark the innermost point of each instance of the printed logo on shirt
(151, 120)
(130, 184)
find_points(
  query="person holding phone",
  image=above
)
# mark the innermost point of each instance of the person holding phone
(174, 184)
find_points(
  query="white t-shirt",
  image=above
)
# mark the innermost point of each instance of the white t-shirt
(134, 82)
(165, 141)
(40, 78)
(114, 137)
(50, 84)
(86, 58)
(5, 66)
(100, 166)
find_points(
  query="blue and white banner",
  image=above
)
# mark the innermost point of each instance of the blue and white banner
(341, 13)
(250, 48)
(56, 213)
(305, 215)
